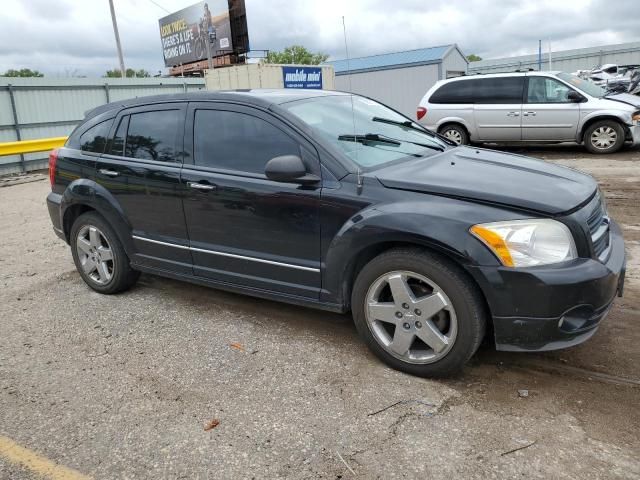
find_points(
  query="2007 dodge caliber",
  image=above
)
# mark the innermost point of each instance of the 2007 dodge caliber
(335, 201)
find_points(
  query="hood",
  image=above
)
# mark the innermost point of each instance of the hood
(625, 98)
(493, 177)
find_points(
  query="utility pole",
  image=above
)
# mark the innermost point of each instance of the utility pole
(539, 55)
(115, 32)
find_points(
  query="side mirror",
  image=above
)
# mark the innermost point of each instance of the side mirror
(289, 169)
(574, 97)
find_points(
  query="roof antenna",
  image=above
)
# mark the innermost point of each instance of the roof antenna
(353, 113)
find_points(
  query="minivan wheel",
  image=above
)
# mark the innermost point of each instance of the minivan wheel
(455, 133)
(606, 136)
(99, 256)
(418, 312)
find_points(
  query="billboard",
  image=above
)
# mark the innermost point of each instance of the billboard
(185, 34)
(302, 77)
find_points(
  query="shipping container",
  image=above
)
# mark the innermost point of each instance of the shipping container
(262, 75)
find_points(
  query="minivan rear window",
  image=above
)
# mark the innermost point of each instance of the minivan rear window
(454, 92)
(498, 90)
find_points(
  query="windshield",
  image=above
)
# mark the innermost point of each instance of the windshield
(371, 135)
(586, 86)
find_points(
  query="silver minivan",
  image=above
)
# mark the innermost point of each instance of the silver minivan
(531, 107)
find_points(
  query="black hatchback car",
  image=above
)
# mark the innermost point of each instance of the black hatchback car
(334, 201)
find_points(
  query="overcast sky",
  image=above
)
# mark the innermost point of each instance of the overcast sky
(75, 37)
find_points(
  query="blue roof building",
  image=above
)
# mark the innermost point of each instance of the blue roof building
(399, 79)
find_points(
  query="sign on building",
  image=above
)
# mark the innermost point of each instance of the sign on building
(302, 77)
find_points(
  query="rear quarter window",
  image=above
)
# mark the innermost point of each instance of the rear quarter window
(453, 92)
(94, 139)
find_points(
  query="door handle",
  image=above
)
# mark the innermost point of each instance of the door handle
(529, 114)
(513, 114)
(108, 173)
(201, 186)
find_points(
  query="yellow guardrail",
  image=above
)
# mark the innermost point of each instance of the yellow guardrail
(31, 146)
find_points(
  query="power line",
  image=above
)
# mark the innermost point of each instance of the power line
(159, 6)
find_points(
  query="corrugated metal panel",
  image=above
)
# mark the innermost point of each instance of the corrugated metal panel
(390, 60)
(567, 60)
(454, 62)
(49, 107)
(401, 89)
(6, 117)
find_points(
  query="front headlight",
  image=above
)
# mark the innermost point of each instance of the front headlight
(526, 243)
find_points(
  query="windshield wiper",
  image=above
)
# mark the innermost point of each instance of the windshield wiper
(375, 138)
(408, 124)
(369, 137)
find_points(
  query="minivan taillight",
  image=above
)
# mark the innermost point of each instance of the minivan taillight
(53, 159)
(421, 112)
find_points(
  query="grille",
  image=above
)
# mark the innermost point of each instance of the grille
(598, 223)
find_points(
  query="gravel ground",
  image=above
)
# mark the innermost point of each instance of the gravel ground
(127, 386)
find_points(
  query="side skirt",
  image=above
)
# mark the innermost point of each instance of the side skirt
(254, 292)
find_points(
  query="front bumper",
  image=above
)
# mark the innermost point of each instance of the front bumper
(555, 306)
(635, 134)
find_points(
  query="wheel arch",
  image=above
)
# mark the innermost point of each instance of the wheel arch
(457, 122)
(354, 266)
(84, 196)
(598, 118)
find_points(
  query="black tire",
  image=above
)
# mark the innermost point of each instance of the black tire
(607, 127)
(467, 302)
(122, 275)
(456, 132)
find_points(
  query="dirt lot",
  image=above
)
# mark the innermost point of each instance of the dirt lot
(125, 386)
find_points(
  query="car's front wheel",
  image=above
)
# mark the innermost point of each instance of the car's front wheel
(99, 256)
(606, 136)
(418, 312)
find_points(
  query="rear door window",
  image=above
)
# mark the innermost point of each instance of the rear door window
(237, 141)
(117, 144)
(153, 135)
(498, 90)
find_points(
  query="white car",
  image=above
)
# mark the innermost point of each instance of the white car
(531, 107)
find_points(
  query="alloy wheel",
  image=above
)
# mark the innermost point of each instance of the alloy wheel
(95, 254)
(604, 137)
(411, 317)
(453, 135)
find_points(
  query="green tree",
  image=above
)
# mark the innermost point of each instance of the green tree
(23, 72)
(130, 72)
(296, 54)
(474, 58)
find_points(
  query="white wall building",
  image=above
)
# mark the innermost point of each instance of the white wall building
(565, 60)
(399, 79)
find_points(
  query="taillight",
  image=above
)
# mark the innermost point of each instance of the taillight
(421, 112)
(53, 159)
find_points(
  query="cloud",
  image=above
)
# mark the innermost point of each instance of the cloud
(62, 36)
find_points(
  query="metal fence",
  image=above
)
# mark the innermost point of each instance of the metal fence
(32, 108)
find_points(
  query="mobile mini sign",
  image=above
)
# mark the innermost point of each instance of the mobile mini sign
(302, 77)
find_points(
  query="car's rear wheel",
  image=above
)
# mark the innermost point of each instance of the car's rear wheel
(418, 312)
(99, 256)
(456, 133)
(606, 136)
